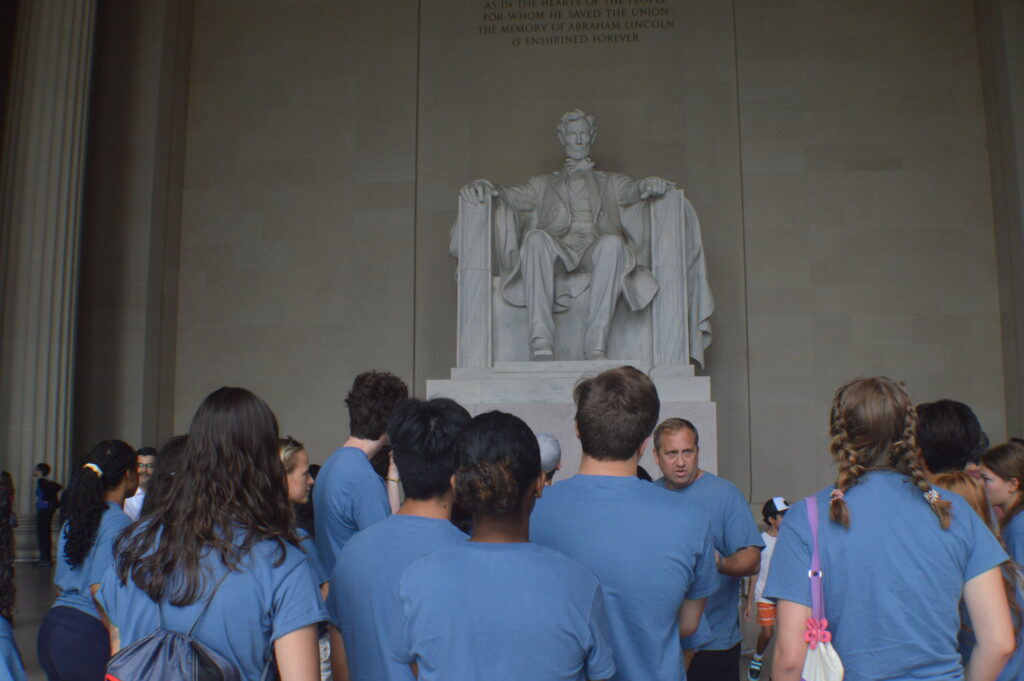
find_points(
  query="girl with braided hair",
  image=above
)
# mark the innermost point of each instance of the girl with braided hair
(896, 557)
(508, 609)
(73, 641)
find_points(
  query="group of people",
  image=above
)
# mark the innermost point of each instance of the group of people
(482, 568)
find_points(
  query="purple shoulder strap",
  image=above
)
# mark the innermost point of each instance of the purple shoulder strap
(817, 592)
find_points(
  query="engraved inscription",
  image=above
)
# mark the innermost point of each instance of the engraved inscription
(542, 23)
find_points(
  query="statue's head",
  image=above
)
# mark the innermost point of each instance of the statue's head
(576, 132)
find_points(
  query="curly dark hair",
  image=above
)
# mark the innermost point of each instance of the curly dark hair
(499, 459)
(83, 505)
(373, 396)
(228, 493)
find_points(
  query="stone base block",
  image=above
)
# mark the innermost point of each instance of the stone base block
(540, 393)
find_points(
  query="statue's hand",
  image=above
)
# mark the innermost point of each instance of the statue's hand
(477, 190)
(654, 186)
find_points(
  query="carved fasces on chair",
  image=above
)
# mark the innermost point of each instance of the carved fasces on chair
(471, 244)
(486, 239)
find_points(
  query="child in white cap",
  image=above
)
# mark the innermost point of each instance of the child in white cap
(772, 512)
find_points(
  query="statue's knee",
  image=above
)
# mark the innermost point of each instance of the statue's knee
(536, 240)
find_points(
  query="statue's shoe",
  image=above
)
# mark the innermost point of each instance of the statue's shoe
(541, 351)
(594, 354)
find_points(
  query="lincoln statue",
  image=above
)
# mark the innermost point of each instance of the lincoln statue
(577, 233)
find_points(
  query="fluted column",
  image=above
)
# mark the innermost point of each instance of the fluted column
(40, 215)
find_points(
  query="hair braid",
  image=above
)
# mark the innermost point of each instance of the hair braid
(850, 470)
(905, 460)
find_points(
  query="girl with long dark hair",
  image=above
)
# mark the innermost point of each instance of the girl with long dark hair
(508, 609)
(897, 555)
(222, 533)
(73, 642)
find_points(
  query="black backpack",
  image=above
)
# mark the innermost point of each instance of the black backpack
(167, 655)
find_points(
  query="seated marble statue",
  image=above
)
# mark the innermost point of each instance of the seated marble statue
(561, 233)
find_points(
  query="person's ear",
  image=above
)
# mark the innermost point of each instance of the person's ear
(643, 446)
(1014, 484)
(451, 483)
(576, 427)
(538, 485)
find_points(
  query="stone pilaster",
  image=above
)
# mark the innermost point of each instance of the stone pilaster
(40, 214)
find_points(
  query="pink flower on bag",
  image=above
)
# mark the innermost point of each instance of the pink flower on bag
(817, 632)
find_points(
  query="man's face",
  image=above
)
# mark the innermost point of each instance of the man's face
(145, 468)
(576, 139)
(676, 456)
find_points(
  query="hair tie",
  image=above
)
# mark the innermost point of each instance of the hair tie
(837, 495)
(931, 496)
(95, 469)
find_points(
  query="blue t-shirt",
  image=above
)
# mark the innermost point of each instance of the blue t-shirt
(308, 547)
(348, 496)
(363, 601)
(650, 549)
(1013, 537)
(74, 582)
(11, 667)
(501, 612)
(732, 528)
(893, 580)
(256, 605)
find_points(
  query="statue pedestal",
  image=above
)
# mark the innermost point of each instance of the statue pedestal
(540, 393)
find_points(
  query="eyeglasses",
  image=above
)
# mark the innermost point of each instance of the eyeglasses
(146, 466)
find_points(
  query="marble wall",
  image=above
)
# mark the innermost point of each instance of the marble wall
(837, 152)
(297, 256)
(868, 218)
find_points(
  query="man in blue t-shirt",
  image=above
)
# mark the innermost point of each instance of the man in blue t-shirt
(363, 601)
(736, 539)
(651, 550)
(349, 495)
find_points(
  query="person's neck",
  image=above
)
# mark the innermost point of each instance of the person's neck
(437, 507)
(620, 469)
(507, 528)
(115, 496)
(772, 531)
(368, 447)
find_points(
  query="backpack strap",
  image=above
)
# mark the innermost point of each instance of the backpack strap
(206, 606)
(209, 600)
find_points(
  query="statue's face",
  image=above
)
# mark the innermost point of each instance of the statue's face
(576, 139)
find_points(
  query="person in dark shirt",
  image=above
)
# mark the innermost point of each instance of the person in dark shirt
(46, 505)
